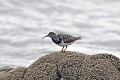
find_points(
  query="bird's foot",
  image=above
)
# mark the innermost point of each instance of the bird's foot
(62, 51)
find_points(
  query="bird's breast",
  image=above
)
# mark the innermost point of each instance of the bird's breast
(56, 41)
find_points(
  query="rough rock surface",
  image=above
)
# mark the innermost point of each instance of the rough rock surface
(72, 66)
(75, 66)
(3, 71)
(15, 74)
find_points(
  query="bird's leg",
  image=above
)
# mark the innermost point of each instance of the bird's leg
(62, 49)
(65, 48)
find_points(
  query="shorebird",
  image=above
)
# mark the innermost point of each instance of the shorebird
(62, 39)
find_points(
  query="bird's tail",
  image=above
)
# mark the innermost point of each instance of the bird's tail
(79, 38)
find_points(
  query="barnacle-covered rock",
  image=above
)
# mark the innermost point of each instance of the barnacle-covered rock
(15, 74)
(75, 66)
(69, 66)
(113, 59)
(3, 71)
(45, 67)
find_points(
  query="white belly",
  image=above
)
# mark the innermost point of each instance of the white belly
(64, 44)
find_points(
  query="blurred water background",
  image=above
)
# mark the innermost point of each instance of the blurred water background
(23, 23)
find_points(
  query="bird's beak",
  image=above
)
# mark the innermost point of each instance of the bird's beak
(45, 36)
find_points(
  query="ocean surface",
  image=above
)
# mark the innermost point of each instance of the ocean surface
(23, 23)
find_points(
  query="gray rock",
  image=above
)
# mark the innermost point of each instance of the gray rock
(3, 71)
(15, 74)
(75, 66)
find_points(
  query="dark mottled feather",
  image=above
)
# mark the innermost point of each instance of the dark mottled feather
(56, 39)
(68, 38)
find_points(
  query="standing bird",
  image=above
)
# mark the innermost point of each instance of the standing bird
(62, 39)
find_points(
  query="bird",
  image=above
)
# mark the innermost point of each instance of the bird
(62, 39)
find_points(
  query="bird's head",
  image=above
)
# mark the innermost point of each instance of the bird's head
(50, 34)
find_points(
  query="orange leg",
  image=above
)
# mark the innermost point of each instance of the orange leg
(62, 49)
(65, 48)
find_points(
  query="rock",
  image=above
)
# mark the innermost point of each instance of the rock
(4, 70)
(75, 66)
(113, 59)
(15, 74)
(67, 66)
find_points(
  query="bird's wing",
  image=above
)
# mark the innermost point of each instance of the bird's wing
(69, 38)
